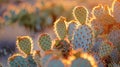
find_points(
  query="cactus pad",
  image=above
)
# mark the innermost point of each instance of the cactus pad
(53, 62)
(83, 38)
(64, 47)
(80, 14)
(17, 61)
(80, 62)
(105, 49)
(45, 42)
(60, 28)
(24, 44)
(37, 58)
(30, 61)
(71, 29)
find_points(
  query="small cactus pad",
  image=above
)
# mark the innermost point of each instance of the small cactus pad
(83, 38)
(80, 14)
(116, 10)
(98, 11)
(60, 28)
(45, 42)
(80, 62)
(17, 61)
(71, 29)
(105, 49)
(24, 44)
(64, 47)
(30, 61)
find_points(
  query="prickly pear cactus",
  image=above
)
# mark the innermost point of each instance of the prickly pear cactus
(24, 44)
(63, 46)
(17, 61)
(116, 10)
(105, 49)
(37, 58)
(60, 28)
(80, 14)
(71, 29)
(45, 42)
(54, 62)
(30, 61)
(80, 62)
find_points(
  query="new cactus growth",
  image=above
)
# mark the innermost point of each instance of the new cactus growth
(83, 36)
(60, 28)
(17, 61)
(24, 44)
(45, 42)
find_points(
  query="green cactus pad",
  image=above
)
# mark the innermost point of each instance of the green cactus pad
(17, 61)
(80, 14)
(24, 44)
(45, 42)
(71, 29)
(60, 28)
(83, 38)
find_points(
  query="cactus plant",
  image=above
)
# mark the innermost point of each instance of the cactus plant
(71, 29)
(24, 44)
(37, 58)
(30, 61)
(105, 49)
(63, 46)
(54, 62)
(83, 36)
(45, 42)
(60, 28)
(17, 61)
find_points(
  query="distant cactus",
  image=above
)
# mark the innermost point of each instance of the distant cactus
(83, 36)
(45, 42)
(24, 44)
(17, 61)
(0, 65)
(60, 28)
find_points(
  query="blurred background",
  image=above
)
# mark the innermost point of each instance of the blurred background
(32, 17)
